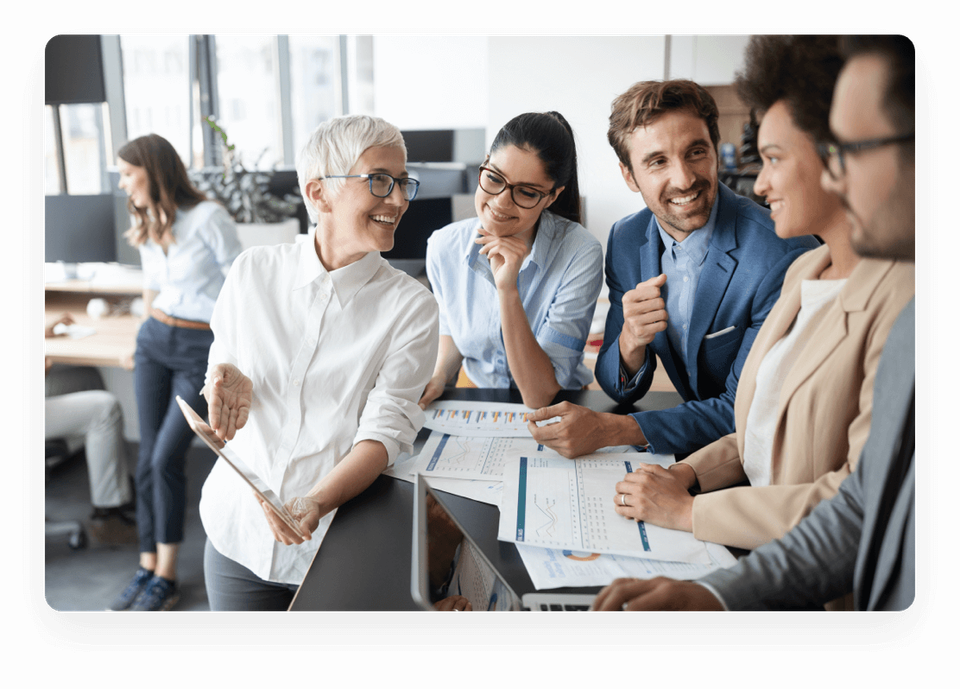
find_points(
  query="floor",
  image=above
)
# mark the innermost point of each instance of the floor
(88, 579)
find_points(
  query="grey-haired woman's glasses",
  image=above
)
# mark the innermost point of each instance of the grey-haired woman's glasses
(381, 184)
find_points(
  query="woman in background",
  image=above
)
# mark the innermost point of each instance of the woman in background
(187, 244)
(517, 285)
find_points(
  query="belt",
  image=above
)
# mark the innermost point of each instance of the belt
(177, 322)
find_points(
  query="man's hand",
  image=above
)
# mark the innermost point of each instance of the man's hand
(660, 593)
(644, 315)
(229, 395)
(65, 319)
(657, 496)
(579, 431)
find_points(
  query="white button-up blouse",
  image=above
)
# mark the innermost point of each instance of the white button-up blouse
(335, 358)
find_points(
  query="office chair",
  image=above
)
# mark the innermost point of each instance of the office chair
(55, 452)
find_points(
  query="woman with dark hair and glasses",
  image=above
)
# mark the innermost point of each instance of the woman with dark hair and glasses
(321, 351)
(187, 244)
(804, 402)
(518, 284)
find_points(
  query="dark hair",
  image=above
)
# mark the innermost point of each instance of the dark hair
(899, 99)
(170, 188)
(550, 136)
(799, 70)
(646, 101)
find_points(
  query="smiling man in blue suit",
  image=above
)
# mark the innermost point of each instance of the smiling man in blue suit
(692, 278)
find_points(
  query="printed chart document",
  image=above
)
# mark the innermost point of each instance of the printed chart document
(559, 503)
(480, 458)
(489, 419)
(472, 467)
(551, 568)
(473, 457)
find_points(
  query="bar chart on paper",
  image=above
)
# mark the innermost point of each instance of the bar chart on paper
(484, 419)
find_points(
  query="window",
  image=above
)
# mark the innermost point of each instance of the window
(75, 149)
(156, 88)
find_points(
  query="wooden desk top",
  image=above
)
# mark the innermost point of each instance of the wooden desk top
(113, 343)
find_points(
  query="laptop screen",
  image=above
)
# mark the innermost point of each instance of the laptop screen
(449, 570)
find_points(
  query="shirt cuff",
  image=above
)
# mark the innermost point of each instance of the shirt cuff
(716, 594)
(628, 385)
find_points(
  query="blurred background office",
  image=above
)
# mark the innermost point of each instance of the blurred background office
(448, 94)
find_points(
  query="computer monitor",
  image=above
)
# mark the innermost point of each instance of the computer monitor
(80, 229)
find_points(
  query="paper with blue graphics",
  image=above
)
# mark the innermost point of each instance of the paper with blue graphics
(483, 458)
(569, 504)
(470, 457)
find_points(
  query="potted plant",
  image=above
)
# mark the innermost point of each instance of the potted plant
(261, 216)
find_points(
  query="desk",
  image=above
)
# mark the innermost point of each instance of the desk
(365, 559)
(115, 339)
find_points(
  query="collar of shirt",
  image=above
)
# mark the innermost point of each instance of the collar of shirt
(346, 281)
(539, 252)
(682, 263)
(697, 243)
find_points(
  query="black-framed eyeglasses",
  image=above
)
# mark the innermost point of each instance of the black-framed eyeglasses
(381, 184)
(493, 183)
(831, 151)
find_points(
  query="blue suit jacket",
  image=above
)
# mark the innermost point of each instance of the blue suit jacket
(864, 538)
(740, 282)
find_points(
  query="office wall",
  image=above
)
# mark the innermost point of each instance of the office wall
(474, 81)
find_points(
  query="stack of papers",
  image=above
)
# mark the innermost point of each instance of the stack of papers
(560, 512)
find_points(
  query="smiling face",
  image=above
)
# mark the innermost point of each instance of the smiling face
(673, 165)
(353, 222)
(499, 215)
(877, 189)
(135, 181)
(790, 178)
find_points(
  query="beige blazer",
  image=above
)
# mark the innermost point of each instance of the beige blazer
(824, 411)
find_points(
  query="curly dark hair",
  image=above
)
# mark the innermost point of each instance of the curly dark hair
(800, 70)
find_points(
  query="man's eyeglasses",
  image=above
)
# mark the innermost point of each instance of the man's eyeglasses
(830, 152)
(381, 184)
(493, 183)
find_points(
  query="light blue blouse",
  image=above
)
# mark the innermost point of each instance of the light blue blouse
(559, 283)
(189, 276)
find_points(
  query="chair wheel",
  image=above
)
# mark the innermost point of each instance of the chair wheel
(78, 540)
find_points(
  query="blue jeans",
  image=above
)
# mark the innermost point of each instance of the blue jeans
(231, 586)
(168, 362)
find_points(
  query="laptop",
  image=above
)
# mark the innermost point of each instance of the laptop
(448, 566)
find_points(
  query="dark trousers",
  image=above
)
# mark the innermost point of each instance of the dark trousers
(168, 362)
(231, 586)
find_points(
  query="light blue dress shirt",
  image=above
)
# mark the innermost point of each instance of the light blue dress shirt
(682, 263)
(188, 277)
(559, 283)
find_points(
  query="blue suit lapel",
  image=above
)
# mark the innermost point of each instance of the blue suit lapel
(718, 268)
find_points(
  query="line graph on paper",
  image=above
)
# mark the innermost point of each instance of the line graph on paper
(470, 457)
(554, 502)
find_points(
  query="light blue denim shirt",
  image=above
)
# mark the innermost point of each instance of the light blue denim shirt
(682, 263)
(189, 276)
(559, 283)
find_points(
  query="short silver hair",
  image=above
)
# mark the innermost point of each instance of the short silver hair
(337, 144)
